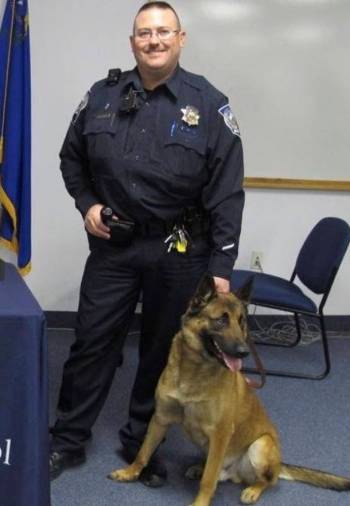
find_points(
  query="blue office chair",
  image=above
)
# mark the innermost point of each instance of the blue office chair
(316, 267)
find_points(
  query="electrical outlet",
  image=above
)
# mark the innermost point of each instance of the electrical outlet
(256, 260)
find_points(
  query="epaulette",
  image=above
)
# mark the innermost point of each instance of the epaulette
(194, 80)
(113, 77)
(201, 83)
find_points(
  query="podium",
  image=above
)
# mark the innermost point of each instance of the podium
(24, 438)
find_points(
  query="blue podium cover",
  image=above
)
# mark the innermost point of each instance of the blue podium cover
(24, 438)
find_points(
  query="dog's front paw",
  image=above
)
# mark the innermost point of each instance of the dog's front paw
(203, 500)
(127, 474)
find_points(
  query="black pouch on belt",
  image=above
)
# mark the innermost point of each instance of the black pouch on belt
(122, 231)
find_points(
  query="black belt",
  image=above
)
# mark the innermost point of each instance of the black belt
(154, 228)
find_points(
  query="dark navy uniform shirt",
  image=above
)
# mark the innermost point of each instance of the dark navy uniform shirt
(151, 163)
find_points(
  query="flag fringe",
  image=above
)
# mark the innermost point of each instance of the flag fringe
(6, 202)
(25, 270)
(13, 247)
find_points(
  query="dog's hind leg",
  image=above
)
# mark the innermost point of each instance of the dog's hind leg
(260, 467)
(155, 434)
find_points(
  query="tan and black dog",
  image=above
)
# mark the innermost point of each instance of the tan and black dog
(202, 389)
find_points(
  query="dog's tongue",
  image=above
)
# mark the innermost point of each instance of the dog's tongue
(234, 364)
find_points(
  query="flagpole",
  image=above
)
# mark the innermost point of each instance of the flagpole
(8, 64)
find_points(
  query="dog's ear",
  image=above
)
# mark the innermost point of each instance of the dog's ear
(245, 291)
(205, 292)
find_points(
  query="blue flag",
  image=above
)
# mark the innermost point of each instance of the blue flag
(15, 133)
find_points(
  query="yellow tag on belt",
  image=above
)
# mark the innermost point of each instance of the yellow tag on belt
(181, 246)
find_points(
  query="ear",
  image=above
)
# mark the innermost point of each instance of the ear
(204, 294)
(182, 39)
(245, 291)
(132, 43)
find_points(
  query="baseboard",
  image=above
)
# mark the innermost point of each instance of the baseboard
(67, 320)
(337, 323)
(334, 323)
(60, 319)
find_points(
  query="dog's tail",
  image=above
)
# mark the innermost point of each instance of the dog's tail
(314, 477)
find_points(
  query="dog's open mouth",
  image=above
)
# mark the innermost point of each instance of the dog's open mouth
(232, 363)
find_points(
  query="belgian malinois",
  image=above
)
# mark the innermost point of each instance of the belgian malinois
(203, 389)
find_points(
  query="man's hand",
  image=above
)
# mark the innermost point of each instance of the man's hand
(94, 224)
(222, 285)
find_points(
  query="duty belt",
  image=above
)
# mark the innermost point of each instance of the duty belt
(194, 227)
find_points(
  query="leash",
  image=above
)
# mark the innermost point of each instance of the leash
(259, 366)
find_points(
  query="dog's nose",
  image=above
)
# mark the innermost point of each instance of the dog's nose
(241, 351)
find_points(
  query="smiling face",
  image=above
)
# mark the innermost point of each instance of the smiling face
(155, 57)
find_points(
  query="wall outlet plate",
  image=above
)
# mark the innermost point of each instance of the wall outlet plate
(256, 260)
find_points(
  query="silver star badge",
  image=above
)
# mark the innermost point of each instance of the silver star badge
(190, 115)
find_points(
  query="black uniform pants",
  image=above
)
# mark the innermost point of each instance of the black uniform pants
(110, 290)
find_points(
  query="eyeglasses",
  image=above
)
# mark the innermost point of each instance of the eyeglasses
(161, 33)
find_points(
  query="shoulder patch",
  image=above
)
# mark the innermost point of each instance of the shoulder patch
(80, 107)
(230, 119)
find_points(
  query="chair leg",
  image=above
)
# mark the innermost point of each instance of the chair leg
(297, 326)
(290, 374)
(325, 345)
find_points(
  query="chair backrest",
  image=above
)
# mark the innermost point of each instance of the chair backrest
(322, 254)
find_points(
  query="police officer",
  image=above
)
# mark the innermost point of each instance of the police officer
(160, 148)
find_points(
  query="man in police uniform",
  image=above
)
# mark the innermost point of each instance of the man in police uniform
(161, 149)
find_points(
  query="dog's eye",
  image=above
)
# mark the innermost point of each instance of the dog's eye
(222, 321)
(241, 320)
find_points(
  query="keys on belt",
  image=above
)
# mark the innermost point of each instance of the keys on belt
(178, 240)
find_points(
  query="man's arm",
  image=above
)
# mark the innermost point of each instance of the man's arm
(223, 196)
(77, 178)
(75, 165)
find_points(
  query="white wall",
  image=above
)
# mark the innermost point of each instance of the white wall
(74, 42)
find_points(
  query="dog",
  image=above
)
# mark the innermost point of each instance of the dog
(202, 388)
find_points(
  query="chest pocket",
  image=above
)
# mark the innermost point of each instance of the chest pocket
(102, 134)
(185, 157)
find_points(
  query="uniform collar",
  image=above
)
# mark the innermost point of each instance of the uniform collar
(172, 84)
(133, 77)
